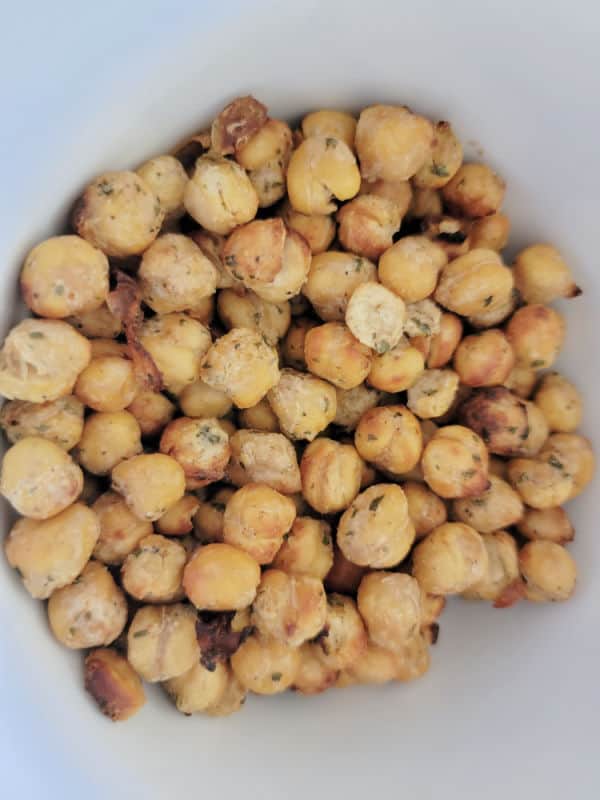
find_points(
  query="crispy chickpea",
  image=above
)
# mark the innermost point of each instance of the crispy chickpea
(242, 365)
(455, 463)
(331, 475)
(200, 447)
(443, 344)
(212, 245)
(265, 666)
(474, 191)
(375, 316)
(107, 439)
(346, 639)
(307, 549)
(411, 266)
(397, 369)
(198, 688)
(303, 404)
(114, 684)
(392, 143)
(432, 606)
(268, 458)
(60, 421)
(549, 524)
(433, 393)
(177, 344)
(496, 314)
(332, 278)
(572, 453)
(100, 323)
(536, 334)
(491, 232)
(198, 399)
(154, 570)
(161, 642)
(389, 437)
(338, 124)
(317, 229)
(499, 506)
(542, 275)
(450, 559)
(272, 320)
(150, 483)
(167, 178)
(367, 224)
(120, 530)
(352, 404)
(152, 411)
(376, 529)
(208, 520)
(293, 344)
(484, 359)
(425, 509)
(256, 520)
(549, 572)
(399, 192)
(560, 403)
(90, 612)
(443, 161)
(426, 203)
(332, 352)
(107, 384)
(321, 168)
(390, 604)
(204, 310)
(499, 417)
(232, 699)
(313, 676)
(260, 417)
(521, 381)
(266, 155)
(177, 520)
(475, 283)
(541, 484)
(220, 195)
(51, 553)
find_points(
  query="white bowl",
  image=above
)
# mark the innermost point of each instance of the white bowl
(510, 707)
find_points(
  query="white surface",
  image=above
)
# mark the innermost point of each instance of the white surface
(510, 707)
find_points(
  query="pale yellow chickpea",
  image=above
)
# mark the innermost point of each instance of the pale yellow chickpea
(574, 455)
(260, 417)
(549, 524)
(352, 403)
(499, 417)
(455, 463)
(90, 612)
(232, 699)
(332, 278)
(433, 393)
(167, 178)
(51, 553)
(346, 639)
(256, 520)
(100, 323)
(200, 447)
(307, 549)
(444, 343)
(411, 266)
(426, 203)
(197, 689)
(499, 506)
(484, 359)
(537, 431)
(242, 365)
(444, 159)
(220, 195)
(152, 411)
(107, 439)
(304, 405)
(491, 232)
(265, 155)
(318, 229)
(150, 483)
(267, 458)
(60, 421)
(332, 352)
(390, 438)
(376, 529)
(177, 344)
(375, 316)
(536, 334)
(548, 570)
(321, 169)
(474, 191)
(120, 530)
(390, 605)
(293, 344)
(326, 122)
(272, 320)
(367, 224)
(475, 283)
(450, 559)
(541, 484)
(312, 675)
(425, 509)
(161, 641)
(560, 403)
(392, 143)
(153, 571)
(208, 520)
(331, 475)
(521, 381)
(108, 383)
(41, 359)
(198, 399)
(114, 684)
(178, 520)
(265, 665)
(542, 275)
(397, 369)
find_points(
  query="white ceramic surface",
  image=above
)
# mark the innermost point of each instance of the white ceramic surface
(510, 707)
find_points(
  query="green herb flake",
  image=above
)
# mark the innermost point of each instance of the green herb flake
(488, 300)
(105, 188)
(439, 170)
(36, 335)
(422, 326)
(59, 289)
(139, 634)
(374, 504)
(205, 433)
(538, 363)
(429, 392)
(330, 142)
(554, 462)
(468, 473)
(358, 263)
(326, 540)
(512, 429)
(382, 347)
(276, 676)
(230, 261)
(220, 507)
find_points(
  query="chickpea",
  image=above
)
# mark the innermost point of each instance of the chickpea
(161, 642)
(542, 275)
(375, 316)
(499, 417)
(267, 458)
(560, 403)
(499, 506)
(392, 143)
(208, 521)
(497, 313)
(153, 571)
(152, 411)
(338, 124)
(51, 553)
(397, 369)
(320, 169)
(317, 229)
(303, 404)
(399, 192)
(377, 665)
(346, 639)
(521, 381)
(425, 509)
(167, 178)
(260, 417)
(549, 524)
(92, 489)
(452, 558)
(198, 688)
(491, 232)
(444, 343)
(107, 439)
(333, 353)
(265, 666)
(389, 437)
(537, 431)
(536, 334)
(98, 324)
(428, 428)
(332, 278)
(307, 549)
(293, 344)
(220, 195)
(200, 447)
(376, 530)
(113, 684)
(411, 266)
(484, 359)
(548, 570)
(433, 393)
(352, 403)
(272, 320)
(541, 484)
(313, 676)
(232, 699)
(426, 203)
(198, 399)
(497, 466)
(475, 283)
(455, 463)
(443, 161)
(474, 191)
(177, 520)
(367, 224)
(107, 384)
(120, 530)
(390, 604)
(242, 365)
(574, 454)
(256, 520)
(331, 475)
(60, 421)
(413, 662)
(212, 245)
(150, 483)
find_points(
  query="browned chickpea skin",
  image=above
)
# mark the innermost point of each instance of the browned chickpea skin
(260, 417)
(107, 384)
(425, 509)
(318, 229)
(560, 403)
(344, 576)
(455, 463)
(443, 344)
(475, 283)
(307, 549)
(198, 688)
(390, 438)
(499, 417)
(303, 404)
(265, 666)
(321, 168)
(501, 583)
(333, 353)
(150, 483)
(549, 524)
(575, 456)
(536, 334)
(60, 421)
(208, 520)
(120, 529)
(411, 266)
(327, 122)
(474, 191)
(352, 404)
(268, 458)
(484, 359)
(152, 411)
(200, 447)
(375, 316)
(332, 278)
(153, 571)
(113, 683)
(313, 676)
(367, 224)
(272, 320)
(219, 577)
(450, 559)
(390, 604)
(541, 484)
(542, 275)
(499, 506)
(293, 344)
(167, 178)
(433, 393)
(491, 232)
(331, 475)
(161, 641)
(100, 323)
(521, 381)
(548, 570)
(444, 160)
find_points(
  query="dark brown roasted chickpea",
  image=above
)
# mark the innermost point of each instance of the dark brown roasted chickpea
(560, 403)
(455, 463)
(120, 529)
(536, 334)
(491, 232)
(60, 421)
(367, 224)
(474, 191)
(332, 278)
(541, 275)
(499, 417)
(333, 353)
(268, 458)
(390, 604)
(425, 509)
(501, 580)
(541, 484)
(549, 524)
(260, 417)
(200, 447)
(450, 559)
(303, 404)
(389, 437)
(574, 455)
(444, 160)
(499, 506)
(113, 683)
(484, 359)
(475, 283)
(411, 266)
(161, 641)
(346, 638)
(331, 475)
(549, 572)
(321, 168)
(307, 549)
(208, 520)
(265, 666)
(153, 571)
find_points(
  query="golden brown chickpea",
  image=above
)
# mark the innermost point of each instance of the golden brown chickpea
(521, 381)
(474, 191)
(397, 369)
(399, 192)
(120, 530)
(326, 122)
(293, 344)
(100, 323)
(455, 463)
(208, 521)
(90, 612)
(265, 155)
(560, 403)
(548, 570)
(107, 439)
(113, 683)
(154, 570)
(536, 334)
(256, 520)
(344, 576)
(475, 283)
(198, 688)
(390, 604)
(242, 365)
(332, 278)
(265, 666)
(177, 344)
(549, 524)
(268, 458)
(152, 411)
(200, 447)
(272, 320)
(498, 507)
(572, 453)
(107, 384)
(333, 353)
(443, 161)
(352, 404)
(425, 509)
(303, 404)
(167, 178)
(260, 417)
(389, 437)
(392, 143)
(219, 577)
(41, 359)
(177, 520)
(433, 393)
(367, 224)
(426, 203)
(307, 549)
(346, 639)
(313, 676)
(411, 266)
(321, 168)
(491, 232)
(484, 359)
(541, 484)
(499, 417)
(232, 699)
(376, 529)
(537, 431)
(150, 483)
(496, 314)
(161, 642)
(220, 195)
(119, 214)
(198, 399)
(51, 553)
(317, 229)
(60, 421)
(331, 475)
(541, 275)
(375, 316)
(450, 559)
(443, 344)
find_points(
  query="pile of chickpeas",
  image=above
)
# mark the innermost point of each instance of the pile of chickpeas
(279, 397)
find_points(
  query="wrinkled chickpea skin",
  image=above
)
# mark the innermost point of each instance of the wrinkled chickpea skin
(307, 549)
(367, 224)
(389, 437)
(331, 475)
(548, 570)
(450, 559)
(455, 463)
(303, 404)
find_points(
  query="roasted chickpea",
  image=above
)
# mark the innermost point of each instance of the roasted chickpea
(268, 458)
(293, 344)
(390, 604)
(427, 203)
(574, 455)
(177, 520)
(397, 369)
(198, 688)
(303, 404)
(113, 683)
(432, 606)
(272, 320)
(332, 278)
(266, 155)
(260, 417)
(321, 168)
(450, 559)
(333, 353)
(313, 676)
(475, 283)
(317, 229)
(549, 572)
(208, 520)
(399, 192)
(338, 124)
(499, 417)
(198, 399)
(212, 245)
(352, 404)
(474, 191)
(376, 529)
(98, 324)
(499, 506)
(549, 524)
(161, 642)
(423, 319)
(152, 411)
(375, 316)
(265, 666)
(414, 660)
(491, 232)
(560, 403)
(425, 509)
(367, 224)
(444, 159)
(331, 475)
(389, 437)
(200, 446)
(536, 334)
(541, 275)
(167, 178)
(107, 384)
(411, 266)
(154, 570)
(497, 466)
(60, 421)
(484, 359)
(107, 439)
(232, 699)
(120, 530)
(521, 381)
(377, 665)
(497, 313)
(443, 344)
(307, 549)
(541, 484)
(51, 553)
(455, 463)
(150, 483)
(392, 143)
(346, 639)
(433, 393)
